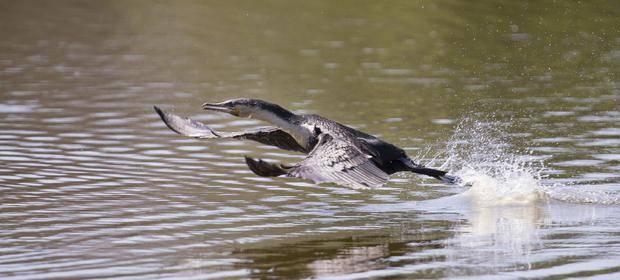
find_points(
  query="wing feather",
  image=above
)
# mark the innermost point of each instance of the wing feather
(272, 136)
(337, 161)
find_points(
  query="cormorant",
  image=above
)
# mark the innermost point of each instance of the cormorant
(336, 153)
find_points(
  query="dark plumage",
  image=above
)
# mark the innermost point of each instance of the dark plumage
(336, 153)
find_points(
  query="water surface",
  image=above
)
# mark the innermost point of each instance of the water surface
(93, 185)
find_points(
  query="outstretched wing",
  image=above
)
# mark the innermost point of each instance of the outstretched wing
(269, 135)
(337, 161)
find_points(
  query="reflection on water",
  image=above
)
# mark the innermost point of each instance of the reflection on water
(486, 240)
(93, 185)
(350, 260)
(511, 230)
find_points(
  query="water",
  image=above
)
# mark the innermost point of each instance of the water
(520, 99)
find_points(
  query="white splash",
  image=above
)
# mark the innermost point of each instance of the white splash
(485, 156)
(515, 187)
(485, 159)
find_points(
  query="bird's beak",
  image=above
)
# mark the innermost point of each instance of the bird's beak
(220, 107)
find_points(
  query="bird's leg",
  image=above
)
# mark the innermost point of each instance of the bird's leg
(437, 174)
(410, 163)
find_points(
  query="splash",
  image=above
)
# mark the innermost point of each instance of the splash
(517, 187)
(487, 158)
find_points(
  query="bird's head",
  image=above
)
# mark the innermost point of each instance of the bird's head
(248, 108)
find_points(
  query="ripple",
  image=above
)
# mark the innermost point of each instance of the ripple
(63, 120)
(15, 108)
(95, 186)
(607, 157)
(158, 152)
(592, 118)
(191, 148)
(443, 121)
(607, 132)
(558, 113)
(579, 162)
(601, 143)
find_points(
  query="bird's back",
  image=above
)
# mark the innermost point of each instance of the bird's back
(381, 151)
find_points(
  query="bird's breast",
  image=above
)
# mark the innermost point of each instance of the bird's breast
(300, 133)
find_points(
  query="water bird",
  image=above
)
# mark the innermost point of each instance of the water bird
(335, 152)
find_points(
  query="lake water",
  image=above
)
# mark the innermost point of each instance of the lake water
(520, 99)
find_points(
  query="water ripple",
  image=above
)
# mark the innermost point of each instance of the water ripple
(95, 186)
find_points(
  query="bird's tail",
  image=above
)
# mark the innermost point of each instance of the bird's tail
(435, 173)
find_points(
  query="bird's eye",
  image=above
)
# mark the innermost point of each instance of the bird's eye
(317, 130)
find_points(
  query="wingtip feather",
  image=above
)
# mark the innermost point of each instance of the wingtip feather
(166, 119)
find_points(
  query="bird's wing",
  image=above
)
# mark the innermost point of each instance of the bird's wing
(272, 136)
(337, 161)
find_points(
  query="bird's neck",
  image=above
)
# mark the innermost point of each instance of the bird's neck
(287, 121)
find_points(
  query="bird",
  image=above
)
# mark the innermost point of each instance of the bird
(335, 153)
